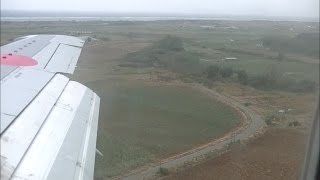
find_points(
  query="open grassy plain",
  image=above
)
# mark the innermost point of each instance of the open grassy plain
(142, 123)
(147, 114)
(143, 120)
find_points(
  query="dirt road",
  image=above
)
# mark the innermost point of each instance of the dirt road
(254, 123)
(276, 155)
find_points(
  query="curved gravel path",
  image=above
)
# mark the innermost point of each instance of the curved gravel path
(253, 123)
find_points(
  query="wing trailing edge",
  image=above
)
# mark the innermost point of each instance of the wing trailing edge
(48, 123)
(54, 137)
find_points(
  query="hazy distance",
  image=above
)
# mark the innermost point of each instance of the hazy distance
(268, 8)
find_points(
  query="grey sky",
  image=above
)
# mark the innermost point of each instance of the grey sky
(294, 8)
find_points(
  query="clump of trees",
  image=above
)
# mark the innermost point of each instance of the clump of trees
(243, 77)
(296, 44)
(163, 171)
(170, 43)
(215, 72)
(270, 81)
(267, 81)
(269, 120)
(169, 53)
(226, 72)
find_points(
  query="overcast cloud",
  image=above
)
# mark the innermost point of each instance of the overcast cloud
(292, 8)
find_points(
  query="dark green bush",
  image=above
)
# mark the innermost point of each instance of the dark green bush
(213, 72)
(243, 77)
(163, 171)
(226, 72)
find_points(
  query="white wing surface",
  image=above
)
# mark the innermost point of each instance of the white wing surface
(48, 123)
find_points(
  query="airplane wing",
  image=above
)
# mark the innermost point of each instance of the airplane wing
(48, 123)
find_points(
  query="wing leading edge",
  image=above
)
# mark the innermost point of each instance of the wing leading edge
(48, 123)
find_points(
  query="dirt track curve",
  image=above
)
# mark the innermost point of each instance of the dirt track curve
(253, 123)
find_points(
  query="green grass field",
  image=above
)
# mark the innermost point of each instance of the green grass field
(142, 123)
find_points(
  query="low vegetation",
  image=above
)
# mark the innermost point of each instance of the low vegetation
(163, 171)
(304, 43)
(247, 104)
(271, 120)
(169, 53)
(141, 123)
(294, 123)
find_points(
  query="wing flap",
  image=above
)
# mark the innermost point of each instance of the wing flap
(68, 118)
(43, 57)
(48, 123)
(19, 85)
(64, 59)
(17, 139)
(77, 154)
(55, 53)
(19, 88)
(68, 40)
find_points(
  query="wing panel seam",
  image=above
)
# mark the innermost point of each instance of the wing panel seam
(40, 126)
(52, 56)
(27, 104)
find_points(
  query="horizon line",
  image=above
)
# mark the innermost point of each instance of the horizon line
(100, 12)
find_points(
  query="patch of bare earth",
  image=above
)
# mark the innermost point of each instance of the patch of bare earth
(277, 154)
(270, 102)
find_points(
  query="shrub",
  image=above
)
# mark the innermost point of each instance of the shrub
(163, 171)
(269, 119)
(268, 122)
(294, 123)
(272, 80)
(170, 43)
(243, 77)
(293, 85)
(262, 82)
(226, 72)
(213, 72)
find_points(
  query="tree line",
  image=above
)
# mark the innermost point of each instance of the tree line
(267, 81)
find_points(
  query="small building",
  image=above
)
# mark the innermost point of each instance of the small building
(230, 58)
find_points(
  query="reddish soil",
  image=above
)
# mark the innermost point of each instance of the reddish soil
(278, 154)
